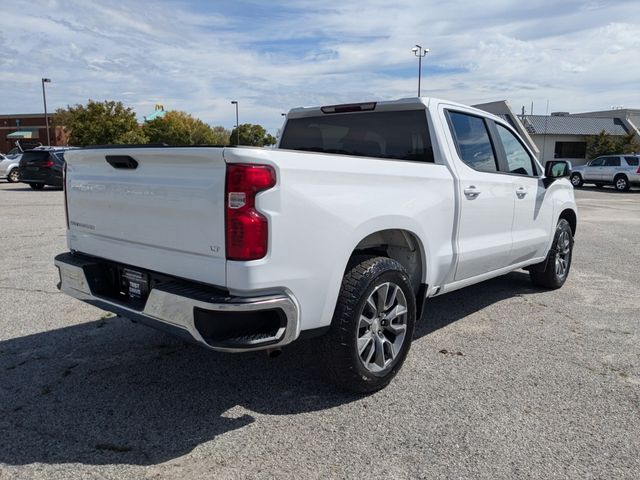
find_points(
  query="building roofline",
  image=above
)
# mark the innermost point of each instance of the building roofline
(25, 115)
(613, 112)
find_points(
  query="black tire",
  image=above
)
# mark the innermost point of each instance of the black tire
(340, 356)
(547, 274)
(36, 186)
(576, 180)
(621, 183)
(14, 175)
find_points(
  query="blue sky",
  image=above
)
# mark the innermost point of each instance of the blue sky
(272, 56)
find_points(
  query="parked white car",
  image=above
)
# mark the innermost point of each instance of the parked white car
(361, 213)
(9, 168)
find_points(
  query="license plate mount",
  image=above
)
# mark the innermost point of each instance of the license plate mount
(135, 284)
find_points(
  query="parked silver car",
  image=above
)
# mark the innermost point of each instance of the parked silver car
(621, 171)
(9, 168)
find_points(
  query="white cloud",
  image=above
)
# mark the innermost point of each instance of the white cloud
(579, 55)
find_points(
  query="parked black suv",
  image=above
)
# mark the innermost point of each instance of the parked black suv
(42, 166)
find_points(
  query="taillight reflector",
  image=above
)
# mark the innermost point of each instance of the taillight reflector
(246, 229)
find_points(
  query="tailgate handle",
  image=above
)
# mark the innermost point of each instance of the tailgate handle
(122, 161)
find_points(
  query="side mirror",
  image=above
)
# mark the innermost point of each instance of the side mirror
(555, 169)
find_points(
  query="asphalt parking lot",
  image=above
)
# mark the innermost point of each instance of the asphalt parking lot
(503, 381)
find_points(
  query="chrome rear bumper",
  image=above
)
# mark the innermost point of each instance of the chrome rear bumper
(187, 312)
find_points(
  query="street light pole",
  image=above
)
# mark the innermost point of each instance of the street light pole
(419, 52)
(46, 117)
(235, 102)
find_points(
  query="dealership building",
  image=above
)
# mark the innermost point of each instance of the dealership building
(562, 135)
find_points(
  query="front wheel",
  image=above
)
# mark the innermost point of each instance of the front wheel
(553, 272)
(576, 180)
(36, 186)
(372, 326)
(14, 175)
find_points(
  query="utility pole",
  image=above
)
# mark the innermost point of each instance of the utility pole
(419, 52)
(46, 117)
(235, 102)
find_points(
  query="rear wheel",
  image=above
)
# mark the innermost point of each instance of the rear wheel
(621, 183)
(553, 272)
(372, 326)
(37, 186)
(576, 180)
(14, 175)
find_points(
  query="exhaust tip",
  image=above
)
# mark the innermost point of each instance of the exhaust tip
(274, 352)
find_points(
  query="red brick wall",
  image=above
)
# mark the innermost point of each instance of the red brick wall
(12, 123)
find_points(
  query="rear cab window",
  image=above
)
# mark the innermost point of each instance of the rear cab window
(400, 135)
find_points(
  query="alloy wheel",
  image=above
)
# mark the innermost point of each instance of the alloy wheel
(382, 327)
(563, 254)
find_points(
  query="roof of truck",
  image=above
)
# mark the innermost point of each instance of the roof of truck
(410, 103)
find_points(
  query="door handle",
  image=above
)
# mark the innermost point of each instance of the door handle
(471, 192)
(521, 192)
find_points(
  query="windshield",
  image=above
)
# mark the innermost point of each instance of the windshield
(402, 135)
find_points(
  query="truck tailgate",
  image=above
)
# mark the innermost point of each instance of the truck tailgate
(163, 211)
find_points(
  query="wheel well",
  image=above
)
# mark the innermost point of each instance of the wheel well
(621, 175)
(400, 245)
(570, 216)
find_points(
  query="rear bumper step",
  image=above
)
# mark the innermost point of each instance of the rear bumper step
(207, 316)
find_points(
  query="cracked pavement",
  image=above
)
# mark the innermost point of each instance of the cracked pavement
(503, 380)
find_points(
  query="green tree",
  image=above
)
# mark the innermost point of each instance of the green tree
(251, 134)
(100, 123)
(180, 128)
(629, 143)
(605, 144)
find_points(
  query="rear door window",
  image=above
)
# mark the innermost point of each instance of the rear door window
(632, 161)
(402, 135)
(472, 141)
(612, 162)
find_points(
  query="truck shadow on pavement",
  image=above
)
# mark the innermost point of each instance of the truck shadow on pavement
(109, 391)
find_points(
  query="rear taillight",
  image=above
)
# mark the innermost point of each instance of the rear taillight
(47, 163)
(64, 187)
(638, 171)
(247, 230)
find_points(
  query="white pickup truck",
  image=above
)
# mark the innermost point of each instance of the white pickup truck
(361, 213)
